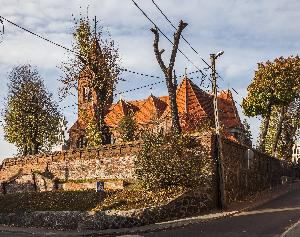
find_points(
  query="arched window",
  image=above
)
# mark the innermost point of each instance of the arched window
(87, 94)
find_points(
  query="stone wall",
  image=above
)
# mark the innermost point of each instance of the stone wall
(108, 162)
(242, 180)
(116, 162)
(186, 204)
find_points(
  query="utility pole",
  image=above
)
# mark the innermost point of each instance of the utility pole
(1, 33)
(218, 141)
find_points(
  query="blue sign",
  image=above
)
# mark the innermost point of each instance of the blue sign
(99, 187)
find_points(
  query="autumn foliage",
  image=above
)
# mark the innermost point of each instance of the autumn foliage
(172, 159)
(275, 86)
(31, 117)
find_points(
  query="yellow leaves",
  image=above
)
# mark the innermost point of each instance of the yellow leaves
(138, 198)
(274, 82)
(171, 159)
(31, 117)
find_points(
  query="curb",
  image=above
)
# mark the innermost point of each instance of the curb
(268, 195)
(293, 231)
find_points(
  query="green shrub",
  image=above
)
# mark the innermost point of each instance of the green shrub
(127, 128)
(172, 160)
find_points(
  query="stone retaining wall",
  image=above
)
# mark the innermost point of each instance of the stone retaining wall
(187, 204)
(109, 162)
(262, 173)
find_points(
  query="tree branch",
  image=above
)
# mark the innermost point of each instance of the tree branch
(177, 35)
(157, 52)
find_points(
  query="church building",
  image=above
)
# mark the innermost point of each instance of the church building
(195, 107)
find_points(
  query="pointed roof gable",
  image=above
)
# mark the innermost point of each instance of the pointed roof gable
(152, 108)
(95, 49)
(118, 111)
(227, 110)
(192, 100)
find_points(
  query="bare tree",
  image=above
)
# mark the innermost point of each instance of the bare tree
(168, 71)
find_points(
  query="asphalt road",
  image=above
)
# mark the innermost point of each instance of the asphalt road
(269, 220)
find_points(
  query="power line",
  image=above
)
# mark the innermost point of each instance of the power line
(37, 35)
(152, 84)
(148, 75)
(138, 73)
(138, 88)
(69, 106)
(209, 66)
(183, 36)
(123, 69)
(165, 35)
(70, 50)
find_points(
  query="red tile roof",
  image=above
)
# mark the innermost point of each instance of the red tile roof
(150, 110)
(193, 104)
(118, 111)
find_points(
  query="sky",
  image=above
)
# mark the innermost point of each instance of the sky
(249, 32)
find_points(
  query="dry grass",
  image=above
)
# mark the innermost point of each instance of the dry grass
(138, 198)
(132, 198)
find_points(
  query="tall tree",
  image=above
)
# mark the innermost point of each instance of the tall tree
(289, 130)
(248, 133)
(274, 84)
(168, 71)
(99, 58)
(31, 117)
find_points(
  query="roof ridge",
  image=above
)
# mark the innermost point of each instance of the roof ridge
(193, 88)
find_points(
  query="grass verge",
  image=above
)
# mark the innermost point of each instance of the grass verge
(85, 200)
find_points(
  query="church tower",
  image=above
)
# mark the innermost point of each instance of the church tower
(87, 98)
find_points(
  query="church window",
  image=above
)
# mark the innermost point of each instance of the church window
(87, 95)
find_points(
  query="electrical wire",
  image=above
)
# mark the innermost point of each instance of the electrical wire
(37, 35)
(187, 58)
(209, 67)
(185, 40)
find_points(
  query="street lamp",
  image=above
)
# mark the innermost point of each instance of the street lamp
(219, 54)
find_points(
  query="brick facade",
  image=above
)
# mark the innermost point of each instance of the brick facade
(109, 162)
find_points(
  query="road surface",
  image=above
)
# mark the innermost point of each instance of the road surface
(271, 219)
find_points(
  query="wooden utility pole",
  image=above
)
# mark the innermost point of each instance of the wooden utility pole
(1, 33)
(218, 142)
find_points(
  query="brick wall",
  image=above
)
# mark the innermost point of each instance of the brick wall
(117, 162)
(108, 162)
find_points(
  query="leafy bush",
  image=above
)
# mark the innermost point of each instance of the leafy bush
(127, 128)
(172, 160)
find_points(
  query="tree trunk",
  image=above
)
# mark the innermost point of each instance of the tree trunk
(35, 143)
(169, 70)
(100, 115)
(278, 131)
(36, 148)
(264, 131)
(173, 105)
(25, 149)
(29, 149)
